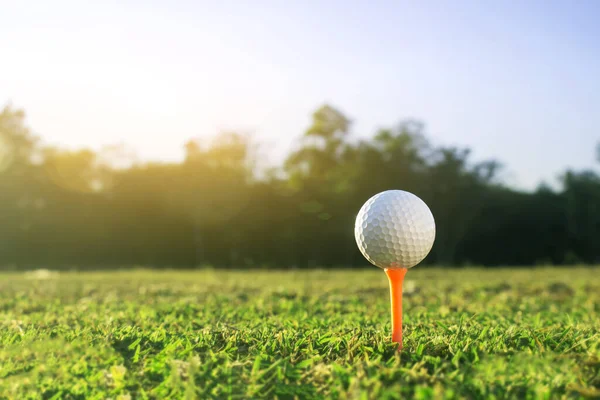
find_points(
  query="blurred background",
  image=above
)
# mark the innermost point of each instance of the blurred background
(248, 134)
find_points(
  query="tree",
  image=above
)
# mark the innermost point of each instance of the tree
(17, 143)
(104, 209)
(212, 188)
(73, 170)
(320, 147)
(21, 184)
(317, 175)
(582, 194)
(457, 193)
(394, 159)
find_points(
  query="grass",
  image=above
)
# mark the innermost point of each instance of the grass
(469, 333)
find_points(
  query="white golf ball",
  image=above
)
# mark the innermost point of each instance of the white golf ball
(395, 229)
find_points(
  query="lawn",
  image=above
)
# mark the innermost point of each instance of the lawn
(471, 333)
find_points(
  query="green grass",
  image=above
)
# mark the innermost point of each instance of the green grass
(140, 334)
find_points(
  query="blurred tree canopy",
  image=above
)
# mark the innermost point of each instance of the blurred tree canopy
(80, 209)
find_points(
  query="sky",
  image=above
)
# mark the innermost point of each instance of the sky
(514, 81)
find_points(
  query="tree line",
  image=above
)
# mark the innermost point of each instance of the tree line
(87, 210)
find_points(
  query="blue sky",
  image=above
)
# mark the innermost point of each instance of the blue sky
(517, 82)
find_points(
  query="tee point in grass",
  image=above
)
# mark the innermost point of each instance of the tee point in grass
(395, 231)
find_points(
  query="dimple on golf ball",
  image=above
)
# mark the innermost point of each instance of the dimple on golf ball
(395, 229)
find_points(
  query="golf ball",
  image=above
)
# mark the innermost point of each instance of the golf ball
(394, 229)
